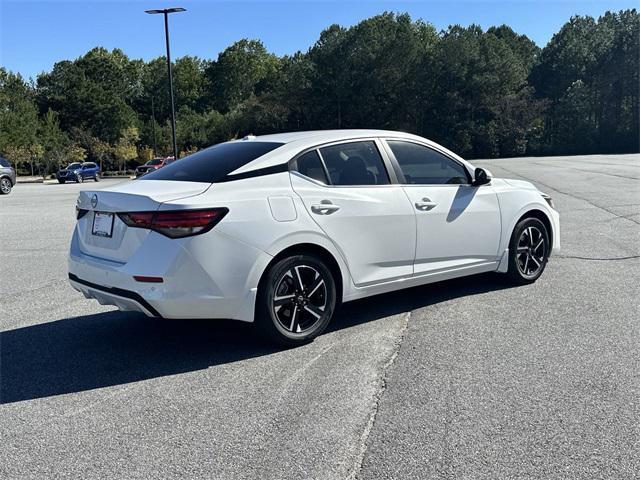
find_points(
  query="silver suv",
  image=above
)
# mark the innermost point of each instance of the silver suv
(7, 176)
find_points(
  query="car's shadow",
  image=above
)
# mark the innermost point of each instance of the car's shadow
(94, 351)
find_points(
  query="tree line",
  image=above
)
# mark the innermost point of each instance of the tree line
(490, 93)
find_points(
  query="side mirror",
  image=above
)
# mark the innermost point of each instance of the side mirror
(481, 177)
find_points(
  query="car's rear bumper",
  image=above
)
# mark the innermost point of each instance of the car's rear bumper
(208, 276)
(123, 299)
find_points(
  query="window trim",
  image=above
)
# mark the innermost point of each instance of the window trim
(401, 178)
(386, 162)
(293, 166)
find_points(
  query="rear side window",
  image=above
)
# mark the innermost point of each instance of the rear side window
(425, 166)
(310, 166)
(214, 163)
(355, 163)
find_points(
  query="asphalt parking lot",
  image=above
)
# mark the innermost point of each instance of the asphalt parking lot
(469, 378)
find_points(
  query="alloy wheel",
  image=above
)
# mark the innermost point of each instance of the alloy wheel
(5, 185)
(300, 299)
(531, 251)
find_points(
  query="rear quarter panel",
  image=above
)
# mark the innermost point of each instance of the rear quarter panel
(253, 221)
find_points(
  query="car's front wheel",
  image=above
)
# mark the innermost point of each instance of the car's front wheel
(296, 300)
(79, 178)
(5, 186)
(529, 250)
(96, 178)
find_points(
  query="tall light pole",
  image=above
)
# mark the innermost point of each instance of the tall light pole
(166, 12)
(153, 127)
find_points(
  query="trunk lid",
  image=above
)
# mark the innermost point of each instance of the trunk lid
(134, 196)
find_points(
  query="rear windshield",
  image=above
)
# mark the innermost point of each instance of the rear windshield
(156, 161)
(214, 163)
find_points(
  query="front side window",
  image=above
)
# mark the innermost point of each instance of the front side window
(309, 165)
(425, 166)
(74, 166)
(214, 163)
(355, 163)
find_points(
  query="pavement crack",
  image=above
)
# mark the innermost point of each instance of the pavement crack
(626, 177)
(602, 259)
(382, 386)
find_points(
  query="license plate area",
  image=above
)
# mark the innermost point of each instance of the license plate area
(102, 224)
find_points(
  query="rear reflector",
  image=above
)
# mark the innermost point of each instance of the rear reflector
(176, 224)
(142, 278)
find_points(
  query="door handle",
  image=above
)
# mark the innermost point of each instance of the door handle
(426, 204)
(324, 208)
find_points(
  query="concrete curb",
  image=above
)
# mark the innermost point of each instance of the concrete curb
(26, 180)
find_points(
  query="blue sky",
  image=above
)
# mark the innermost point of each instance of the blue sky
(36, 34)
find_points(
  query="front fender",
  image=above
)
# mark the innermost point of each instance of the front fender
(516, 204)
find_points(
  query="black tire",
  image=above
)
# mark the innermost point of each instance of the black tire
(60, 181)
(529, 250)
(5, 186)
(288, 314)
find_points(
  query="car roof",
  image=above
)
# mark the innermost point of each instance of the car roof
(296, 142)
(321, 135)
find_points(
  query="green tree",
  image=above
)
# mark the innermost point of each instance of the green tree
(54, 142)
(18, 120)
(589, 72)
(94, 92)
(125, 148)
(243, 69)
(478, 99)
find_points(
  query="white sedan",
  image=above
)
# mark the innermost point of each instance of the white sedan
(280, 229)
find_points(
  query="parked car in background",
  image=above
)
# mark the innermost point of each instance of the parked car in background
(79, 172)
(7, 176)
(152, 166)
(281, 229)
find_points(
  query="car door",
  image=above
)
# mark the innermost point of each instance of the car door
(458, 224)
(347, 191)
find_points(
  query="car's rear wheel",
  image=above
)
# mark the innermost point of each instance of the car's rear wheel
(528, 251)
(296, 300)
(5, 186)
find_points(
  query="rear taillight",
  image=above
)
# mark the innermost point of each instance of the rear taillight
(176, 224)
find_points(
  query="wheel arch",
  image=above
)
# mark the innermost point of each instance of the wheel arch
(315, 250)
(8, 177)
(540, 215)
